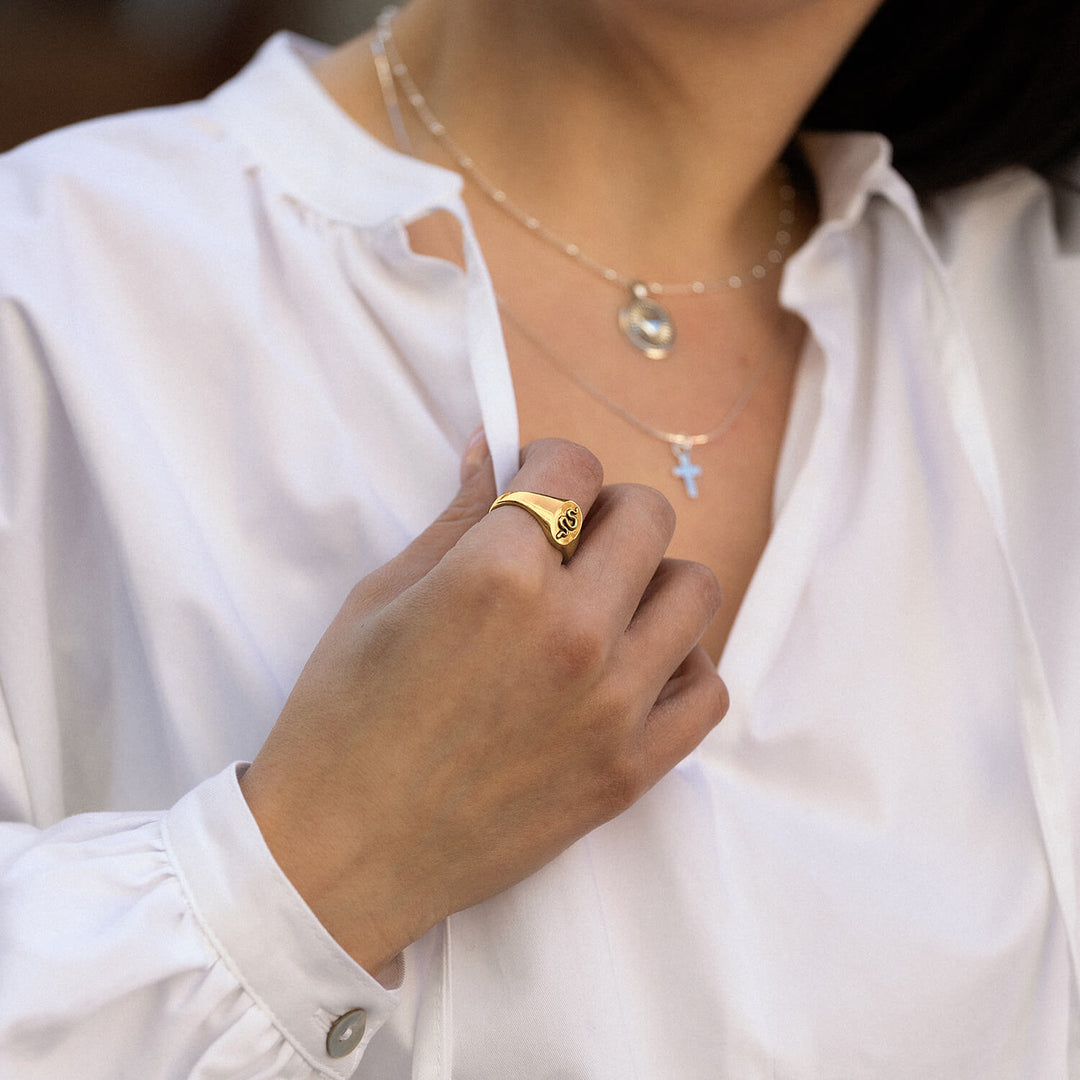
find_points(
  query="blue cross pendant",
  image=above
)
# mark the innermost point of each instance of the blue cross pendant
(686, 470)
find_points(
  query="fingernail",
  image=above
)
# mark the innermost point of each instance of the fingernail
(475, 455)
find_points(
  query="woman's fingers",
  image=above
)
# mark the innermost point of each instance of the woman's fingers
(626, 535)
(691, 704)
(681, 600)
(660, 662)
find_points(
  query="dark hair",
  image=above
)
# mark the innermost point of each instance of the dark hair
(962, 87)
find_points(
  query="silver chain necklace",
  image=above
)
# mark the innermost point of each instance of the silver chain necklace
(681, 443)
(644, 321)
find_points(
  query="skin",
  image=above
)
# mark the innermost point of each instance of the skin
(582, 684)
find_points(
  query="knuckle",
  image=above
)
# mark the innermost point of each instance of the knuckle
(466, 510)
(704, 583)
(718, 700)
(619, 785)
(649, 505)
(612, 723)
(576, 459)
(506, 576)
(370, 593)
(361, 598)
(584, 463)
(621, 705)
(708, 705)
(659, 508)
(578, 649)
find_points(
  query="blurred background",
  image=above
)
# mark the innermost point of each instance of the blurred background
(67, 60)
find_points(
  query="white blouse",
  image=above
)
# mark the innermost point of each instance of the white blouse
(228, 389)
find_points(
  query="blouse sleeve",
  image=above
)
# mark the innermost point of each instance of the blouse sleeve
(156, 944)
(170, 945)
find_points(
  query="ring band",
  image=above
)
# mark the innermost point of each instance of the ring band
(561, 518)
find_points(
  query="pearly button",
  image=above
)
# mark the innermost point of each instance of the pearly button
(345, 1033)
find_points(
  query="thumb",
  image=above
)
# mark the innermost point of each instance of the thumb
(469, 505)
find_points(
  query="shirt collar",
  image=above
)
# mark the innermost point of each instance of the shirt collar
(278, 110)
(850, 168)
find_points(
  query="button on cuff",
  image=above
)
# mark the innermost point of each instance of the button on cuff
(345, 1033)
(307, 980)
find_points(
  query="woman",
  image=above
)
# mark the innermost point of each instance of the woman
(245, 343)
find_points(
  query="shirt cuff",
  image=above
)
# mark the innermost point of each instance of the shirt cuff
(264, 932)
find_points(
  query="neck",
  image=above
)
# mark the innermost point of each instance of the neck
(648, 132)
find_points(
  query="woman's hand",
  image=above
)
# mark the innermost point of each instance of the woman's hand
(477, 706)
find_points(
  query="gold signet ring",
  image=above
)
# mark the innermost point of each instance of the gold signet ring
(561, 518)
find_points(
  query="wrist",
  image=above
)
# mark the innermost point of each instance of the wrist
(357, 897)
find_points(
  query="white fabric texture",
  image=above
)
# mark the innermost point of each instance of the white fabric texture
(228, 390)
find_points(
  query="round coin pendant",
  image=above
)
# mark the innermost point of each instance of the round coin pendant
(647, 323)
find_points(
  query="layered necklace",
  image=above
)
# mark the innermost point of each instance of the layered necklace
(643, 320)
